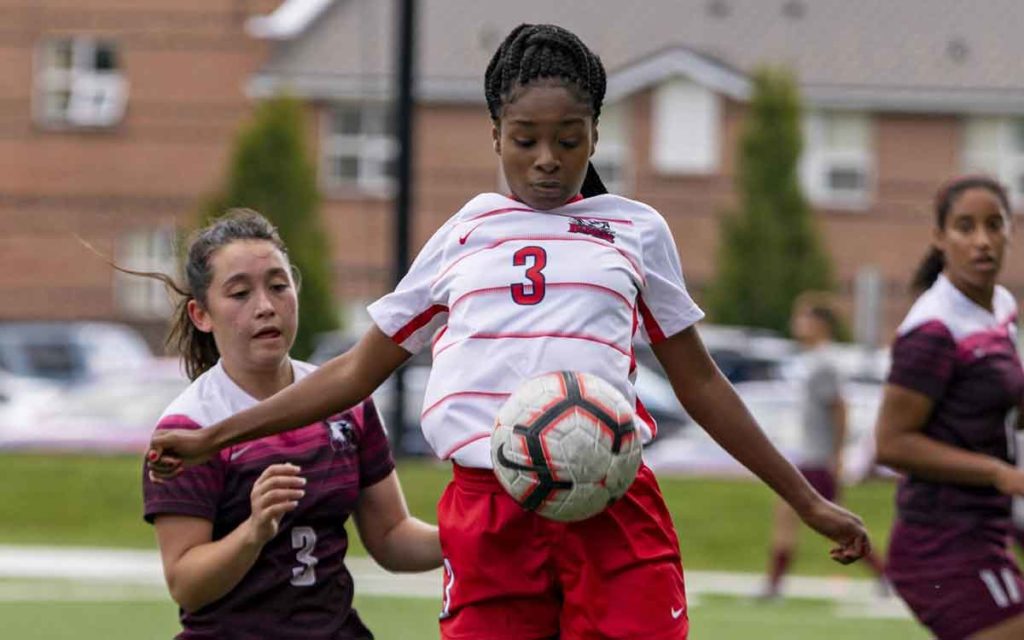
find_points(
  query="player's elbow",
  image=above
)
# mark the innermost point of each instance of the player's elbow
(185, 597)
(889, 450)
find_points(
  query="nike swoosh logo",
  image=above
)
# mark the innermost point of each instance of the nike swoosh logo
(462, 239)
(238, 452)
(677, 612)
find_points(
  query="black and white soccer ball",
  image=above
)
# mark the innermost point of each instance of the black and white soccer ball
(565, 445)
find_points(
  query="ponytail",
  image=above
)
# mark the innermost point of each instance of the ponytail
(592, 184)
(928, 271)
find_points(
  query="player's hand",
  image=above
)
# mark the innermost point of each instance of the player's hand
(276, 492)
(1009, 480)
(171, 450)
(840, 526)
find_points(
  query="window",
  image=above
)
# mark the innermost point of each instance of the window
(612, 155)
(686, 128)
(995, 146)
(146, 250)
(836, 167)
(359, 147)
(79, 84)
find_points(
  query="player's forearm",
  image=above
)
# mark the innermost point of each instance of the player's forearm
(915, 453)
(719, 410)
(411, 545)
(328, 390)
(207, 572)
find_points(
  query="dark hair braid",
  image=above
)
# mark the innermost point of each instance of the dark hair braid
(537, 51)
(933, 263)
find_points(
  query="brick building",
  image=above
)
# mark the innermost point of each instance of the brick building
(899, 96)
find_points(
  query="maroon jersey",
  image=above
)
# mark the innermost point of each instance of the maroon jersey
(299, 586)
(965, 359)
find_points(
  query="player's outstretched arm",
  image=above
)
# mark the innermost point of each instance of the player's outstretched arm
(709, 398)
(197, 569)
(395, 539)
(901, 444)
(339, 384)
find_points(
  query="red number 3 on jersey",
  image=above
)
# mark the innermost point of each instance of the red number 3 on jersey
(534, 274)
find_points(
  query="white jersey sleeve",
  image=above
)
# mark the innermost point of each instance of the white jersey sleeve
(665, 306)
(411, 313)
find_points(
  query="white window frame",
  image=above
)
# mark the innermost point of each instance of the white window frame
(686, 120)
(371, 151)
(95, 98)
(147, 250)
(819, 160)
(1005, 162)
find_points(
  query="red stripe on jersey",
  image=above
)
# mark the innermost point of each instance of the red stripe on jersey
(646, 417)
(498, 212)
(652, 326)
(565, 238)
(463, 443)
(549, 285)
(528, 336)
(418, 323)
(479, 394)
(437, 338)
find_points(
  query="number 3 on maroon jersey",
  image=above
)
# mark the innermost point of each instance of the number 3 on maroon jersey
(533, 274)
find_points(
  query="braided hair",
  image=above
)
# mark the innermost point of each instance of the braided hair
(536, 51)
(934, 262)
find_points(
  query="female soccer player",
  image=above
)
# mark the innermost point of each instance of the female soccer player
(947, 420)
(814, 324)
(555, 276)
(253, 540)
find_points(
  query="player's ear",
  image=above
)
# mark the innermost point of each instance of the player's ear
(593, 137)
(496, 136)
(199, 316)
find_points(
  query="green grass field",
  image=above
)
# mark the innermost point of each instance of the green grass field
(96, 501)
(723, 525)
(718, 618)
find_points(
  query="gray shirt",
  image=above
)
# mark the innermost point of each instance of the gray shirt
(822, 387)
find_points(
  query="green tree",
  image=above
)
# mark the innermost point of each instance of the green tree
(770, 250)
(271, 172)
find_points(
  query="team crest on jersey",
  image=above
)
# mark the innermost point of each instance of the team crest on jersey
(595, 228)
(342, 434)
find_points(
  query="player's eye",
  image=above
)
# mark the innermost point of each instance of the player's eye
(525, 143)
(279, 287)
(239, 295)
(570, 143)
(995, 223)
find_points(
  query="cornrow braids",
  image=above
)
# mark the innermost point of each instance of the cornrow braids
(536, 51)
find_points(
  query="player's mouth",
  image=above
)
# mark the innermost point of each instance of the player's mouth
(548, 188)
(985, 263)
(267, 333)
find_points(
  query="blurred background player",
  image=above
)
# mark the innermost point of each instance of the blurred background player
(948, 417)
(253, 541)
(556, 276)
(814, 325)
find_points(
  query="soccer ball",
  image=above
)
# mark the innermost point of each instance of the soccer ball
(565, 445)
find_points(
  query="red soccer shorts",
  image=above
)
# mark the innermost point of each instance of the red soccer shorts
(511, 574)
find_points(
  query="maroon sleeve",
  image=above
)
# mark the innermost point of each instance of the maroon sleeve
(196, 492)
(375, 461)
(923, 359)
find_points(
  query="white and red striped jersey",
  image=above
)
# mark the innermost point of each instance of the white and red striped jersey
(503, 292)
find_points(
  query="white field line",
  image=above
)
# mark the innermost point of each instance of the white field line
(88, 574)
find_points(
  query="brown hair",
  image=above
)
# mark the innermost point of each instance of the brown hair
(197, 348)
(821, 305)
(933, 262)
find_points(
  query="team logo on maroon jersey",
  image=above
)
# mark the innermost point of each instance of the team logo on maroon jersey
(595, 228)
(342, 434)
